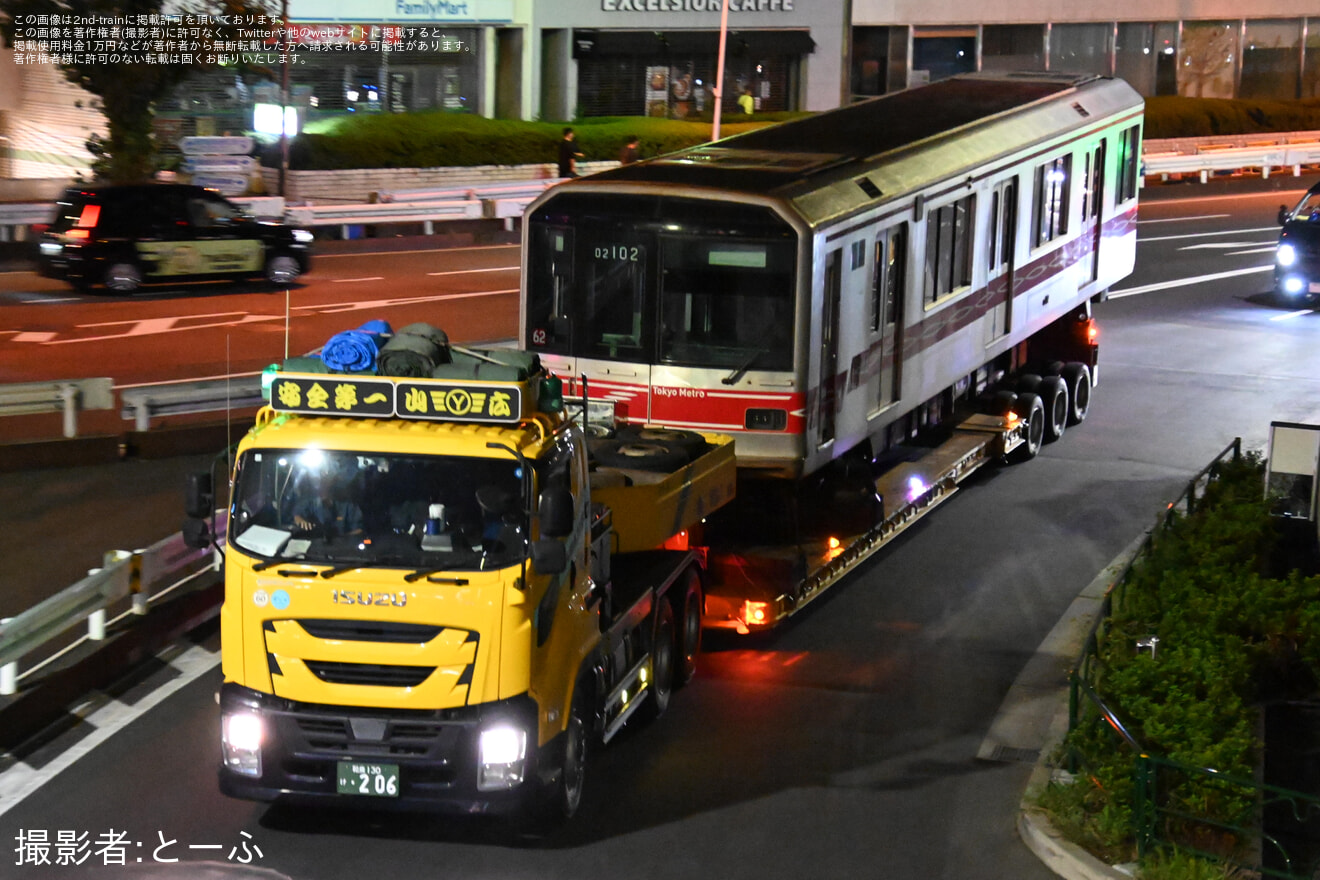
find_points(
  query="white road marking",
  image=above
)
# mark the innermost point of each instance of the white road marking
(469, 271)
(347, 280)
(1297, 314)
(1268, 249)
(1225, 245)
(34, 336)
(21, 779)
(1204, 234)
(1182, 219)
(1184, 282)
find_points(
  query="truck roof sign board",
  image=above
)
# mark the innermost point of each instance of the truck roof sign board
(374, 397)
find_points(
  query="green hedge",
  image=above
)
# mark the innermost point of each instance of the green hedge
(1231, 629)
(437, 139)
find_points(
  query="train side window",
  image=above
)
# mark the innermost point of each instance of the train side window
(1129, 160)
(949, 232)
(1050, 205)
(549, 291)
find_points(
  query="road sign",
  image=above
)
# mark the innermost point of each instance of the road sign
(222, 146)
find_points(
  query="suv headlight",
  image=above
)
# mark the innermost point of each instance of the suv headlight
(1286, 255)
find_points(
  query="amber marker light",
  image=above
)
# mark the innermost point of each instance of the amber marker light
(1092, 332)
(756, 613)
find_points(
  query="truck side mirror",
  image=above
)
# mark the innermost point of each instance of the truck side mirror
(199, 496)
(1283, 214)
(549, 556)
(556, 513)
(197, 532)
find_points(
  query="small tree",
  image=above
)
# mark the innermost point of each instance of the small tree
(129, 91)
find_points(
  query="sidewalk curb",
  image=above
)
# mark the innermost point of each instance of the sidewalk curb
(1033, 718)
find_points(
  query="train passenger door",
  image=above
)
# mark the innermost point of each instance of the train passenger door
(828, 395)
(1093, 199)
(886, 314)
(1002, 255)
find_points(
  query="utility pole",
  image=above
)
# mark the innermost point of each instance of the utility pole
(286, 46)
(719, 68)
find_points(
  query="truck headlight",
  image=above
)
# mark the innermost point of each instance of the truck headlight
(241, 734)
(1286, 255)
(1293, 284)
(502, 754)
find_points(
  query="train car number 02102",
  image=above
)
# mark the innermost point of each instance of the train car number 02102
(374, 780)
(628, 253)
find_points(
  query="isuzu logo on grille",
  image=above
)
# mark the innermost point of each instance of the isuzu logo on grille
(357, 597)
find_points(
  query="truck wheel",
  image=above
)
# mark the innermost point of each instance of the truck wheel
(1031, 411)
(1053, 393)
(641, 456)
(689, 643)
(1028, 382)
(123, 277)
(1077, 376)
(662, 663)
(564, 795)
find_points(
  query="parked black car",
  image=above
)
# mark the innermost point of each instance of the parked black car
(123, 236)
(1297, 256)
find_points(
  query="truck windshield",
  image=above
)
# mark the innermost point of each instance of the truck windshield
(438, 513)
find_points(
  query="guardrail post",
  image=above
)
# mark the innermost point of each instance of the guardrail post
(428, 226)
(142, 415)
(9, 679)
(69, 397)
(96, 625)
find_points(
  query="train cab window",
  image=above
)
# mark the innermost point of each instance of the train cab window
(549, 290)
(1129, 163)
(614, 299)
(949, 232)
(1050, 206)
(726, 304)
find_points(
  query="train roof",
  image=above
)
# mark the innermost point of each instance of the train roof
(985, 115)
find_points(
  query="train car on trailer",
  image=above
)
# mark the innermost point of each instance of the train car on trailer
(833, 290)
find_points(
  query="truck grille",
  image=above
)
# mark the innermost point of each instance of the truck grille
(402, 737)
(369, 673)
(369, 630)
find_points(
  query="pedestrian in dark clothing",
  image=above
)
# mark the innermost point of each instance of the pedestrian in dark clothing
(568, 154)
(630, 150)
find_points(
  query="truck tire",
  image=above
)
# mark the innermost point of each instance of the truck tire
(563, 797)
(690, 442)
(662, 663)
(640, 456)
(1053, 393)
(1077, 376)
(1030, 409)
(1028, 382)
(689, 634)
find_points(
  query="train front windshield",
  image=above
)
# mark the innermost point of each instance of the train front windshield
(661, 280)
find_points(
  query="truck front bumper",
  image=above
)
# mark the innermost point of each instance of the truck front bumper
(426, 760)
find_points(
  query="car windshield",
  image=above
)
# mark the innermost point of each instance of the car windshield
(421, 512)
(1308, 208)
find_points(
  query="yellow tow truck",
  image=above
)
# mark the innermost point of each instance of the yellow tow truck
(435, 598)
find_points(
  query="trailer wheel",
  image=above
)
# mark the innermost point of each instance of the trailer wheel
(662, 663)
(1028, 382)
(1031, 411)
(1000, 403)
(1077, 376)
(690, 633)
(1053, 393)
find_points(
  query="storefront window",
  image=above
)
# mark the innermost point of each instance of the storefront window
(1013, 47)
(939, 53)
(1270, 60)
(1081, 48)
(1311, 60)
(1206, 59)
(1135, 56)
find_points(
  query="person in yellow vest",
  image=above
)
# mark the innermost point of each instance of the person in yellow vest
(746, 101)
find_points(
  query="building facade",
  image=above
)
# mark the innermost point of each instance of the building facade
(562, 59)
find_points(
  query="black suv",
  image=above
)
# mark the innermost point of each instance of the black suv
(125, 235)
(1297, 257)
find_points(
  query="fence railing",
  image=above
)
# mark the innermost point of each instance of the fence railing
(141, 576)
(69, 396)
(1205, 155)
(1237, 840)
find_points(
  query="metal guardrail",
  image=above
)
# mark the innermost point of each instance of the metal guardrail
(142, 576)
(179, 398)
(66, 395)
(425, 213)
(493, 191)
